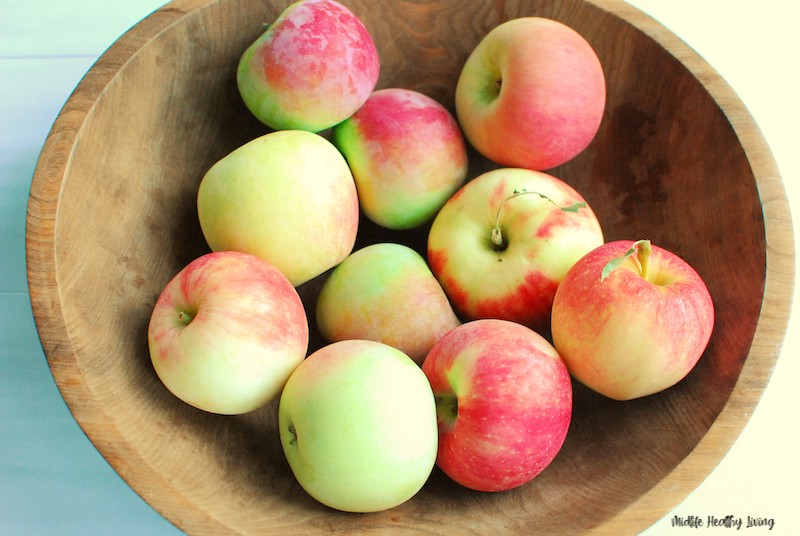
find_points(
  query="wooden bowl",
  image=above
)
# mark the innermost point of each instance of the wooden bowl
(112, 218)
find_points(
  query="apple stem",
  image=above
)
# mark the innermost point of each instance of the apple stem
(643, 251)
(639, 251)
(497, 234)
(185, 318)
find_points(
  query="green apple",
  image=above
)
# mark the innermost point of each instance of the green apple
(287, 197)
(385, 292)
(357, 423)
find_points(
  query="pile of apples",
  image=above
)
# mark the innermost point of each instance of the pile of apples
(463, 357)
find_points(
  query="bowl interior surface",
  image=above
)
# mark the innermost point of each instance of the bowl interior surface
(113, 218)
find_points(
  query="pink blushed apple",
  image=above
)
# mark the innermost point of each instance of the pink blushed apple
(312, 68)
(407, 155)
(631, 319)
(504, 403)
(385, 292)
(501, 244)
(531, 94)
(226, 333)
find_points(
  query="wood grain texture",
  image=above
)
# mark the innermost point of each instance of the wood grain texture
(112, 218)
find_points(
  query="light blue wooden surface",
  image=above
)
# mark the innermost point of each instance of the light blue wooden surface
(53, 481)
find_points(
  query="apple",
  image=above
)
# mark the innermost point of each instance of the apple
(312, 68)
(502, 243)
(631, 319)
(385, 292)
(226, 333)
(504, 403)
(531, 94)
(287, 197)
(357, 423)
(407, 155)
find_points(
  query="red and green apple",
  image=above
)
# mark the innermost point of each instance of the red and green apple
(312, 68)
(407, 155)
(631, 319)
(385, 292)
(502, 243)
(226, 333)
(531, 94)
(504, 403)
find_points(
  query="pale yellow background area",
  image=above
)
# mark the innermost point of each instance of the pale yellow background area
(754, 45)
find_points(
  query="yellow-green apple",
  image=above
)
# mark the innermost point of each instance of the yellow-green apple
(502, 243)
(385, 292)
(407, 155)
(504, 403)
(631, 319)
(287, 197)
(357, 423)
(226, 333)
(531, 94)
(313, 67)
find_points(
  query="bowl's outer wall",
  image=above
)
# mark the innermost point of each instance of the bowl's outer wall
(112, 218)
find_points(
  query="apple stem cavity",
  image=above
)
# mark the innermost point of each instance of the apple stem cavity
(446, 409)
(639, 251)
(497, 235)
(185, 318)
